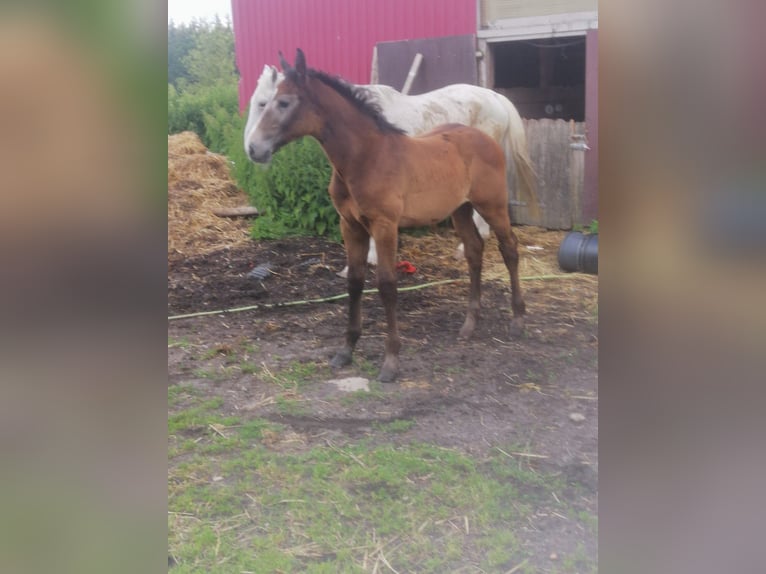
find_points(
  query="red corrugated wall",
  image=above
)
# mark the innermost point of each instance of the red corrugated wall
(337, 36)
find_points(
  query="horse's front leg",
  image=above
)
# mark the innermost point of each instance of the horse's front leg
(385, 235)
(356, 240)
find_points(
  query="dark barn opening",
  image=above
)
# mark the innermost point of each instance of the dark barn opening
(544, 78)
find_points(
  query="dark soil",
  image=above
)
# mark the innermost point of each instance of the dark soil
(490, 394)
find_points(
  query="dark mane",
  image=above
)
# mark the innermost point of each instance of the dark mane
(359, 97)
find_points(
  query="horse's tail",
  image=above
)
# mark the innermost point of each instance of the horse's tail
(515, 147)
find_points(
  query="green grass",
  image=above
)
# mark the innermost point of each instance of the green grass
(295, 375)
(246, 507)
(182, 343)
(199, 417)
(396, 426)
(239, 503)
(345, 502)
(178, 394)
(592, 227)
(248, 368)
(368, 368)
(376, 392)
(212, 373)
(294, 407)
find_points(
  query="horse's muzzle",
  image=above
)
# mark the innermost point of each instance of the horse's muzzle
(259, 154)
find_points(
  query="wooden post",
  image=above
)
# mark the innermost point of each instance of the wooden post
(590, 186)
(245, 211)
(374, 67)
(412, 73)
(577, 147)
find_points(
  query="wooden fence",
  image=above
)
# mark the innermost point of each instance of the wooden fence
(557, 149)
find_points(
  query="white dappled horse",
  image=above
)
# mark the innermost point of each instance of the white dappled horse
(478, 107)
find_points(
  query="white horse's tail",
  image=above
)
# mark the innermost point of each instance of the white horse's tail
(515, 144)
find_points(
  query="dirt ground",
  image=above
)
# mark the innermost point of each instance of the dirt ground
(538, 393)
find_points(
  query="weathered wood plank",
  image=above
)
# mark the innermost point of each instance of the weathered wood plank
(236, 212)
(559, 174)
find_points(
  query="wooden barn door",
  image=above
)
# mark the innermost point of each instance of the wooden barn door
(558, 150)
(446, 60)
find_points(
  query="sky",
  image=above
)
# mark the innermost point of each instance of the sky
(183, 11)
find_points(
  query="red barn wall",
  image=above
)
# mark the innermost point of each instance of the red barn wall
(337, 36)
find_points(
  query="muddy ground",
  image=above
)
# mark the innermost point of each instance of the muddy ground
(537, 394)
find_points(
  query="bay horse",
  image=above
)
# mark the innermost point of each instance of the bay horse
(383, 179)
(484, 109)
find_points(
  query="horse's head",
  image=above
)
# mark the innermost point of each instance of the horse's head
(285, 117)
(262, 95)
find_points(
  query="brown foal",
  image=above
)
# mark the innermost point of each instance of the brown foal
(383, 180)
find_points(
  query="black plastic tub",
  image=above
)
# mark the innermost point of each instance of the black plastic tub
(579, 252)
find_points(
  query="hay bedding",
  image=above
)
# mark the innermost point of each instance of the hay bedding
(199, 182)
(434, 254)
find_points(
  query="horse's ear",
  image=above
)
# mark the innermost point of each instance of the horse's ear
(300, 63)
(274, 73)
(283, 63)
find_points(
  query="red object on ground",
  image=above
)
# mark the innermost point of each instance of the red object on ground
(406, 267)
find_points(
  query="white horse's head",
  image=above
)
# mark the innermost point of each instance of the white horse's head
(262, 95)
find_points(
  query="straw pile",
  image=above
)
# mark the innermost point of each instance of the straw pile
(577, 293)
(538, 252)
(199, 182)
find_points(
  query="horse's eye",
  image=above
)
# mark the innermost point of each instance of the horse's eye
(261, 105)
(283, 104)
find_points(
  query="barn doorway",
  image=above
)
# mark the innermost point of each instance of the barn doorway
(544, 78)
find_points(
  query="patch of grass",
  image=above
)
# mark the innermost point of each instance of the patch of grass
(396, 426)
(591, 228)
(588, 519)
(323, 510)
(201, 373)
(576, 563)
(368, 368)
(534, 377)
(219, 350)
(252, 430)
(182, 343)
(291, 407)
(248, 368)
(198, 417)
(180, 393)
(295, 375)
(300, 373)
(250, 348)
(502, 548)
(375, 393)
(237, 503)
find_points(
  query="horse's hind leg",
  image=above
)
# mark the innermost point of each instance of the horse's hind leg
(500, 223)
(509, 250)
(473, 249)
(356, 240)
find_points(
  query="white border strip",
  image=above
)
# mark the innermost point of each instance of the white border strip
(553, 26)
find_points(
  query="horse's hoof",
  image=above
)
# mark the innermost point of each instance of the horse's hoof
(465, 333)
(517, 327)
(389, 371)
(467, 329)
(387, 376)
(341, 359)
